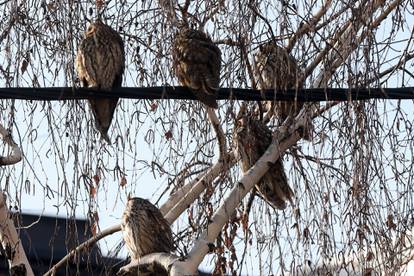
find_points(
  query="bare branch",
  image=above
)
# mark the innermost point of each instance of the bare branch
(190, 192)
(84, 246)
(16, 154)
(11, 243)
(286, 137)
(221, 139)
(345, 48)
(308, 26)
(154, 262)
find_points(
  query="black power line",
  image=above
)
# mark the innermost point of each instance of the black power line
(180, 92)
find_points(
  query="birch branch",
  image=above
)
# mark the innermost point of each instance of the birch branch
(18, 262)
(83, 246)
(154, 262)
(16, 154)
(285, 137)
(343, 47)
(190, 192)
(341, 37)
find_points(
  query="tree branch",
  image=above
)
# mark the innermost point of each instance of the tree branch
(306, 27)
(18, 262)
(83, 246)
(180, 200)
(221, 139)
(284, 138)
(16, 154)
(149, 263)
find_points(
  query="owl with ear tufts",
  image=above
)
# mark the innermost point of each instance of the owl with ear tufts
(197, 62)
(144, 229)
(252, 138)
(275, 68)
(100, 64)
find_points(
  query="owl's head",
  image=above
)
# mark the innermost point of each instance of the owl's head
(90, 30)
(96, 28)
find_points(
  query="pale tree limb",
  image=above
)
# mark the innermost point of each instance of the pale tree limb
(83, 246)
(171, 210)
(340, 39)
(16, 154)
(285, 137)
(224, 212)
(344, 46)
(194, 189)
(18, 262)
(149, 263)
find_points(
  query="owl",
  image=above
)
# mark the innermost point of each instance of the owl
(252, 138)
(144, 229)
(197, 61)
(275, 68)
(100, 63)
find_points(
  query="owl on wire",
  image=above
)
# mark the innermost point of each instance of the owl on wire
(197, 61)
(144, 229)
(275, 68)
(252, 138)
(100, 63)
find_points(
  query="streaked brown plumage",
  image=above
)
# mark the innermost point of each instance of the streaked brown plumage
(276, 68)
(197, 61)
(252, 138)
(100, 63)
(144, 229)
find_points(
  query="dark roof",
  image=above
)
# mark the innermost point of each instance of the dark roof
(49, 239)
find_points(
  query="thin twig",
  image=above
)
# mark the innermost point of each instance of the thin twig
(85, 245)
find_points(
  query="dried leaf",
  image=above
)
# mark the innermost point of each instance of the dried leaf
(153, 106)
(168, 135)
(123, 181)
(24, 65)
(92, 191)
(100, 4)
(97, 179)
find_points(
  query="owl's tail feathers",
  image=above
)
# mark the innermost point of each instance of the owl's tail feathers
(103, 111)
(274, 187)
(207, 96)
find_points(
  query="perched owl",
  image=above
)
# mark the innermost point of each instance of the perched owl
(197, 61)
(100, 64)
(252, 138)
(275, 68)
(144, 229)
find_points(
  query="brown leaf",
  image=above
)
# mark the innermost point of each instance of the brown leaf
(168, 135)
(97, 179)
(390, 222)
(99, 4)
(92, 191)
(51, 7)
(153, 106)
(24, 65)
(123, 181)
